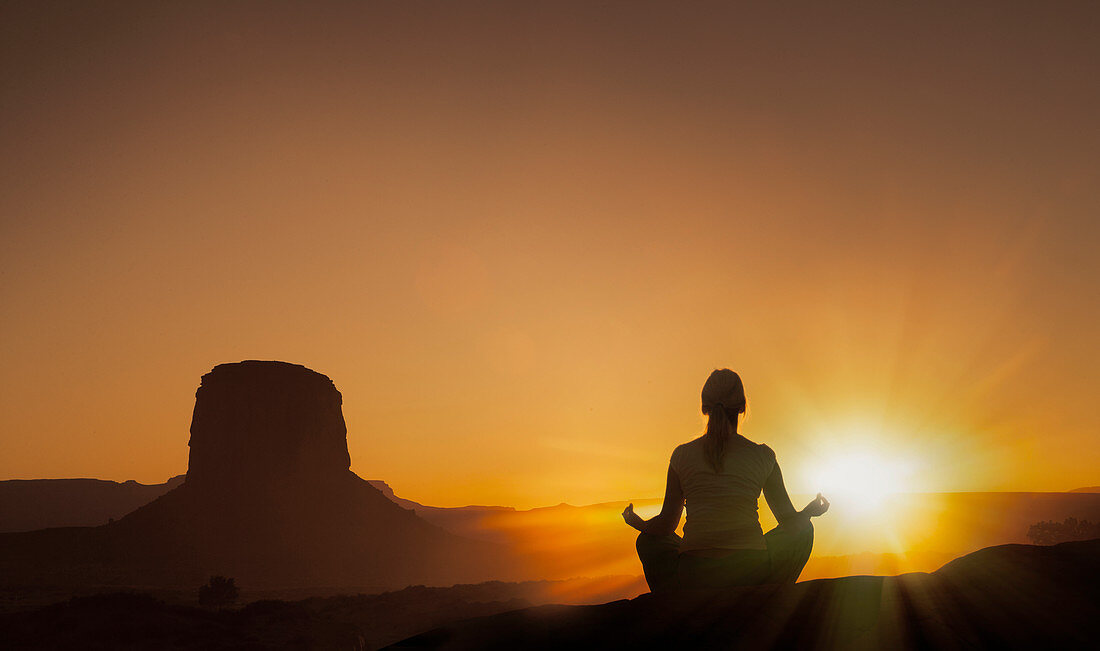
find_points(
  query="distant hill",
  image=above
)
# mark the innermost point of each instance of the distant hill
(1086, 489)
(422, 509)
(1010, 596)
(28, 504)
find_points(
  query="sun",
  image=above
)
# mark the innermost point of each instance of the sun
(860, 481)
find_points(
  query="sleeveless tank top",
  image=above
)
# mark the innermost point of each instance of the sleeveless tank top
(722, 506)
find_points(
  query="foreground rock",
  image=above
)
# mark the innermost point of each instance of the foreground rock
(141, 621)
(1011, 596)
(269, 499)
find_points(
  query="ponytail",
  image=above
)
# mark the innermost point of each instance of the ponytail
(718, 433)
(714, 441)
(723, 400)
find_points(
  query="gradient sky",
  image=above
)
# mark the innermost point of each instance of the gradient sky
(518, 236)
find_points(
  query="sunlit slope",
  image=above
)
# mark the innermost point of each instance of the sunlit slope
(908, 532)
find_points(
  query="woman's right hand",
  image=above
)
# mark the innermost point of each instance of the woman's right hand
(817, 506)
(630, 517)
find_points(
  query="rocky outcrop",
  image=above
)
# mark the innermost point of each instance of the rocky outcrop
(259, 424)
(269, 499)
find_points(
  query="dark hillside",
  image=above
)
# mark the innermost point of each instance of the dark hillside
(1011, 596)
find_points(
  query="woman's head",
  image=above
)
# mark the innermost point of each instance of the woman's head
(724, 389)
(723, 401)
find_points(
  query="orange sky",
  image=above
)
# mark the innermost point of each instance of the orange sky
(518, 235)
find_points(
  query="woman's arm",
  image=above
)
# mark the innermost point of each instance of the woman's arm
(775, 492)
(668, 519)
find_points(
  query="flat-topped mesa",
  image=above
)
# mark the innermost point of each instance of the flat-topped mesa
(266, 423)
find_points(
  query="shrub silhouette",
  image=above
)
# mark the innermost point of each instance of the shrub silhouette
(219, 591)
(1049, 532)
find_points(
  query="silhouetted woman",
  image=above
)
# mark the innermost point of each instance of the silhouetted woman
(720, 476)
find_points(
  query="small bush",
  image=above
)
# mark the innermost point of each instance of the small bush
(1052, 533)
(219, 591)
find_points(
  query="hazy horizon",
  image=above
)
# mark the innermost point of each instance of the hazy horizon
(654, 498)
